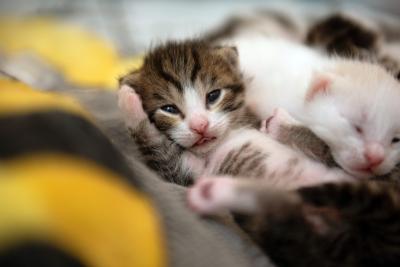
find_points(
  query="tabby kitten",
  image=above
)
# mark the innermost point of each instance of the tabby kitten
(191, 93)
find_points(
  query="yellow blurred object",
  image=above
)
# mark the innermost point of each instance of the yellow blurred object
(122, 68)
(80, 207)
(16, 97)
(82, 57)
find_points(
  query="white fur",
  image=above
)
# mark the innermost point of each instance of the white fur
(280, 74)
(195, 105)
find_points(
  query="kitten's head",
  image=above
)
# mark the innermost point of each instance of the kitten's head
(192, 92)
(355, 109)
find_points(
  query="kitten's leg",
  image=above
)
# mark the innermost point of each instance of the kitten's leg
(280, 118)
(215, 195)
(254, 155)
(168, 159)
(288, 131)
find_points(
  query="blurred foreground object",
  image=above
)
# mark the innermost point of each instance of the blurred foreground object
(33, 46)
(67, 196)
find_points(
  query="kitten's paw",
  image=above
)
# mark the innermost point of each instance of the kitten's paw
(131, 106)
(272, 125)
(211, 195)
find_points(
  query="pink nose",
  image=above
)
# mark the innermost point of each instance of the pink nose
(198, 124)
(374, 154)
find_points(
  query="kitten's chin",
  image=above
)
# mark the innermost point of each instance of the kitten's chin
(360, 174)
(203, 148)
(367, 173)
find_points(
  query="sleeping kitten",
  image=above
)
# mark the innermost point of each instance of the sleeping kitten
(341, 224)
(351, 105)
(285, 129)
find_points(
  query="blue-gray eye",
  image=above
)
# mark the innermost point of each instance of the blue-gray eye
(213, 96)
(170, 109)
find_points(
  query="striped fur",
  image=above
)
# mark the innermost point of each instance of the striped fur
(182, 74)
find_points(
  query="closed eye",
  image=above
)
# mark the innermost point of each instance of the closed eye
(358, 129)
(172, 109)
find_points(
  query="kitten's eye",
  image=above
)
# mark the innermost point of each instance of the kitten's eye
(395, 140)
(170, 109)
(213, 96)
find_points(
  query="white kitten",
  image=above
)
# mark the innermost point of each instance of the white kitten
(353, 106)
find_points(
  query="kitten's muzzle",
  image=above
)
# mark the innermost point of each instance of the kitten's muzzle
(204, 139)
(199, 124)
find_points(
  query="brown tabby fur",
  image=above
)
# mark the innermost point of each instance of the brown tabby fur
(170, 69)
(342, 35)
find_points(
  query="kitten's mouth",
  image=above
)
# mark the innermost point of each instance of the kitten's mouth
(363, 172)
(366, 169)
(204, 140)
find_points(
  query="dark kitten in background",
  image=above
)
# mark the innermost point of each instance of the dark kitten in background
(340, 224)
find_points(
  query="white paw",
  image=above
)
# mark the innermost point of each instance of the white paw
(211, 195)
(280, 118)
(131, 106)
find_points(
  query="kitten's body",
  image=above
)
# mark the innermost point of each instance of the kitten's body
(351, 105)
(250, 153)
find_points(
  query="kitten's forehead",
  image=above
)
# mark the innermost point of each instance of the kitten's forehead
(376, 112)
(181, 63)
(176, 67)
(177, 63)
(194, 100)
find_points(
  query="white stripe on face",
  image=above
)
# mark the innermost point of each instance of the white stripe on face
(194, 103)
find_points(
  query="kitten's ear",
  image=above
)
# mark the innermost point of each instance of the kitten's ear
(131, 79)
(229, 53)
(320, 84)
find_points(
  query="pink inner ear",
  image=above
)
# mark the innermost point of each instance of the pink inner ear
(319, 86)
